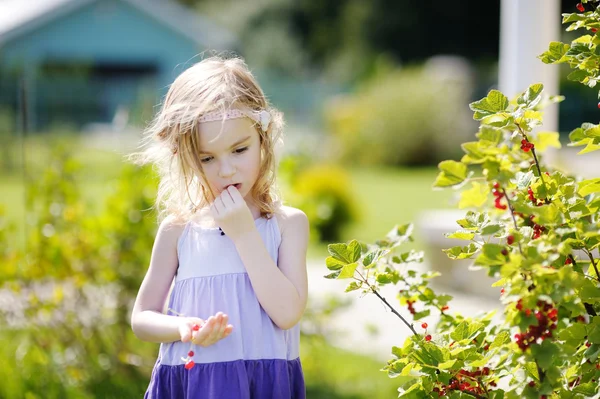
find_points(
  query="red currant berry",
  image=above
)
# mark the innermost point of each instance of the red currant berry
(598, 105)
(424, 325)
(496, 185)
(580, 7)
(196, 327)
(510, 240)
(445, 308)
(191, 353)
(428, 337)
(594, 30)
(505, 252)
(532, 383)
(189, 365)
(502, 291)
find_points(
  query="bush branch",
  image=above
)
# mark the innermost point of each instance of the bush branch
(394, 311)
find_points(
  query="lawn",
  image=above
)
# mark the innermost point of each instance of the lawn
(386, 197)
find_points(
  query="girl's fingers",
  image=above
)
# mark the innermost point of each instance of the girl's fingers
(223, 325)
(204, 333)
(228, 330)
(216, 332)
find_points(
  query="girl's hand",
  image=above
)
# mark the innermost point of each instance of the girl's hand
(207, 332)
(232, 214)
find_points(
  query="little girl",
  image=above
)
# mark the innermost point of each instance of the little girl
(232, 255)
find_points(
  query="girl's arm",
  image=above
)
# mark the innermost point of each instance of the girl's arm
(281, 291)
(147, 320)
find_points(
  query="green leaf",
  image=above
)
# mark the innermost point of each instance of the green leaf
(490, 229)
(348, 271)
(452, 173)
(588, 389)
(490, 134)
(590, 147)
(476, 196)
(573, 334)
(333, 275)
(493, 103)
(523, 179)
(466, 330)
(578, 75)
(447, 365)
(374, 256)
(353, 286)
(409, 257)
(491, 254)
(555, 53)
(545, 353)
(481, 362)
(532, 370)
(543, 140)
(461, 235)
(532, 95)
(346, 253)
(587, 187)
(334, 264)
(503, 337)
(400, 234)
(420, 315)
(548, 214)
(459, 252)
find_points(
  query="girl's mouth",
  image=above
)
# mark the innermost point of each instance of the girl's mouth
(237, 186)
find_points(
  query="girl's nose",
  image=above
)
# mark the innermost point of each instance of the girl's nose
(226, 169)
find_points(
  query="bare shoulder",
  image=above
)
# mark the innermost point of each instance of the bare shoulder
(293, 219)
(170, 229)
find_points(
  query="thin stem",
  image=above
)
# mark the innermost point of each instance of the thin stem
(589, 254)
(512, 214)
(394, 311)
(537, 163)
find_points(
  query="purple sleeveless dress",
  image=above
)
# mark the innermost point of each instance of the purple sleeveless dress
(258, 360)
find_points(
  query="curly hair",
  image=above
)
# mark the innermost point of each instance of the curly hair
(171, 141)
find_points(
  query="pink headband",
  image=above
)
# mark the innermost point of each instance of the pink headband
(263, 118)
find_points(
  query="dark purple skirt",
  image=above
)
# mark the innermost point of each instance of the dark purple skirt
(240, 379)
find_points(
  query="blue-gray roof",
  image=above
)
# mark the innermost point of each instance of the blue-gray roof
(18, 17)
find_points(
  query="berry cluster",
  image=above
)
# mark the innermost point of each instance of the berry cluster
(526, 145)
(462, 382)
(498, 194)
(546, 315)
(535, 201)
(189, 363)
(537, 229)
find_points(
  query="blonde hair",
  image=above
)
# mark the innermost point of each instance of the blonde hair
(171, 142)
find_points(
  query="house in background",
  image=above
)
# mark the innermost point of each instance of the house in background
(81, 61)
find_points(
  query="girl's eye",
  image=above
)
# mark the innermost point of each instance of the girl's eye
(206, 160)
(240, 150)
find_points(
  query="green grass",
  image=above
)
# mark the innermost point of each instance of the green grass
(386, 197)
(332, 373)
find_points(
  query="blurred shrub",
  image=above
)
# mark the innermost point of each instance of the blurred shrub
(65, 299)
(410, 116)
(323, 192)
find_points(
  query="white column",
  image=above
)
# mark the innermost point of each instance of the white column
(526, 29)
